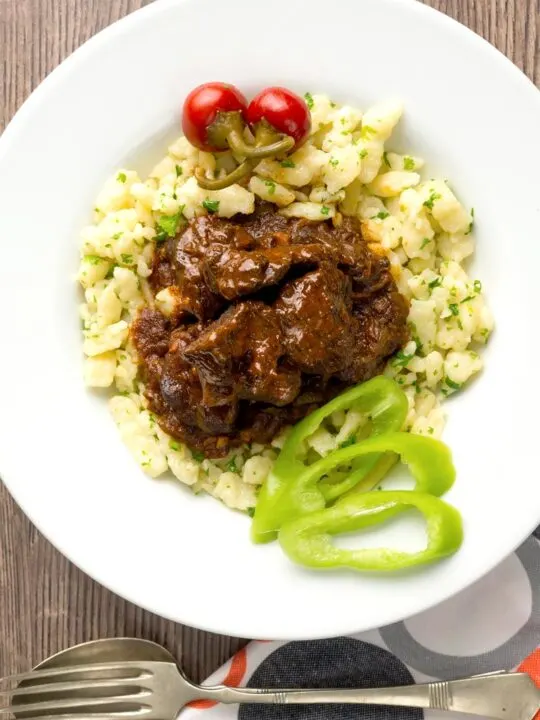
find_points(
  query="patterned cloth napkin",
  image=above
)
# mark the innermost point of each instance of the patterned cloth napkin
(493, 625)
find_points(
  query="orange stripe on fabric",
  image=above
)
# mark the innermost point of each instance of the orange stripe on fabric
(531, 665)
(234, 677)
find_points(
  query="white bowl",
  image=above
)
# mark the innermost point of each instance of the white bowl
(469, 111)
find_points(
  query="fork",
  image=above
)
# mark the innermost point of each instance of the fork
(157, 690)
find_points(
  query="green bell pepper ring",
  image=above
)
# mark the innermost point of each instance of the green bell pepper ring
(381, 398)
(429, 460)
(379, 471)
(308, 539)
(365, 473)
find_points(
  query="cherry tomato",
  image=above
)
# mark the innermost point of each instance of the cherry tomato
(201, 110)
(285, 111)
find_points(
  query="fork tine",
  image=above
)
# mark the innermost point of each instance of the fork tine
(127, 703)
(120, 714)
(132, 669)
(70, 686)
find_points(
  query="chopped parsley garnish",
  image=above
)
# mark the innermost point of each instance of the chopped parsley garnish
(477, 285)
(197, 456)
(325, 210)
(117, 236)
(334, 162)
(425, 242)
(308, 97)
(121, 177)
(363, 153)
(93, 259)
(348, 442)
(251, 511)
(174, 445)
(382, 215)
(400, 359)
(271, 185)
(430, 430)
(288, 163)
(408, 163)
(179, 170)
(385, 158)
(471, 224)
(110, 272)
(231, 465)
(431, 199)
(435, 283)
(367, 132)
(211, 205)
(168, 225)
(451, 384)
(127, 259)
(454, 309)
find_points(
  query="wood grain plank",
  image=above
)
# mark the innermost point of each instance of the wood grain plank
(513, 26)
(46, 603)
(36, 35)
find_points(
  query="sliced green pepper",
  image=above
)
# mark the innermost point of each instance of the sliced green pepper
(429, 461)
(381, 399)
(308, 539)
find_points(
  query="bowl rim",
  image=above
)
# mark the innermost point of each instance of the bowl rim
(69, 66)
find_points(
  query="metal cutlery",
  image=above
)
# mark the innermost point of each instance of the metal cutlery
(132, 679)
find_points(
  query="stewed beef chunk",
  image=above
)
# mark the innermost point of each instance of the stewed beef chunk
(151, 333)
(275, 316)
(183, 391)
(243, 352)
(236, 273)
(315, 314)
(380, 330)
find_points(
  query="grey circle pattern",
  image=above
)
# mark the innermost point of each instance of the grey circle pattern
(447, 667)
(340, 663)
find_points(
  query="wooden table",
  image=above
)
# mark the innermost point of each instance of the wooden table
(46, 603)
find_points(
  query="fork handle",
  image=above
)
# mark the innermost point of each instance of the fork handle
(497, 695)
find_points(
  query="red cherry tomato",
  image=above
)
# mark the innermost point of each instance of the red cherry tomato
(201, 108)
(285, 111)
